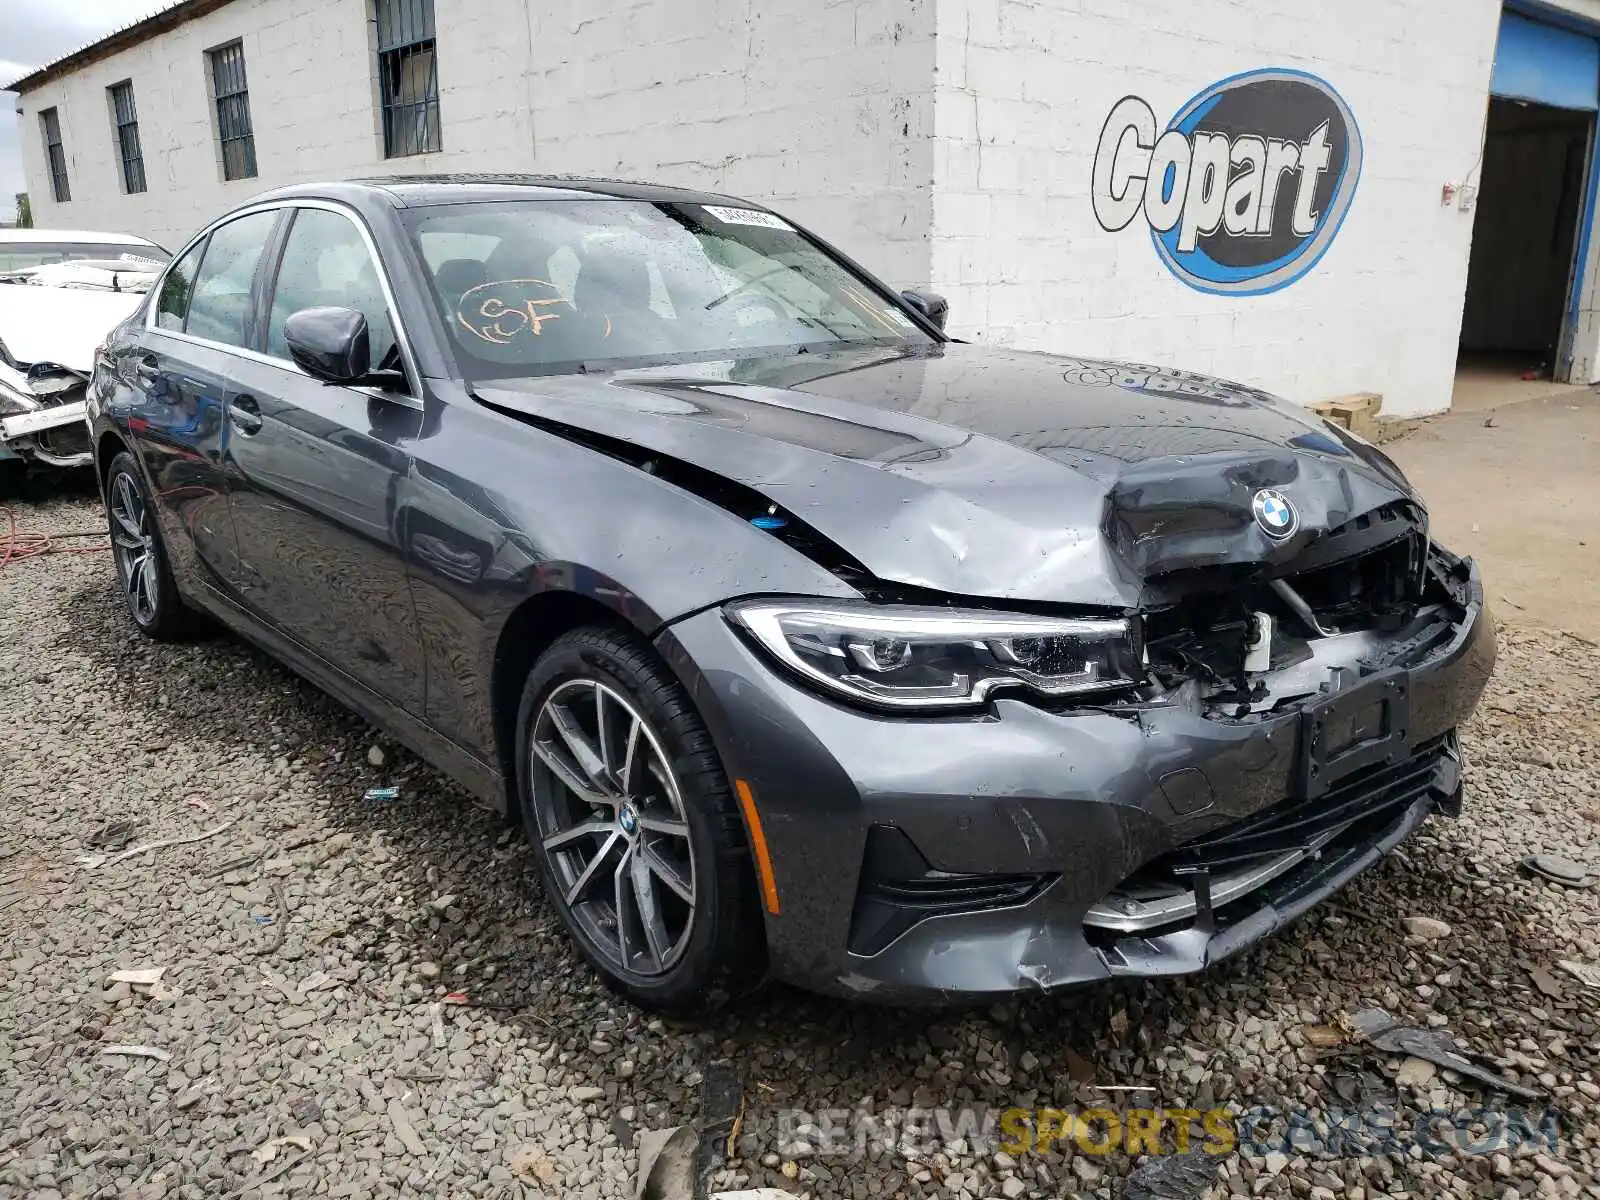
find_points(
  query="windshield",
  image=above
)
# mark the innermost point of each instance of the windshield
(17, 256)
(558, 286)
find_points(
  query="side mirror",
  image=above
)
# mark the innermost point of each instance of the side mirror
(329, 344)
(935, 308)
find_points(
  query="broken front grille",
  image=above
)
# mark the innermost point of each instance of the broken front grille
(1363, 581)
(1230, 866)
(1383, 526)
(1363, 569)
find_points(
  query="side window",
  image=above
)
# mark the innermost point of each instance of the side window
(219, 308)
(326, 263)
(173, 306)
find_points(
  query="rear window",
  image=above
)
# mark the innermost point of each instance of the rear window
(18, 256)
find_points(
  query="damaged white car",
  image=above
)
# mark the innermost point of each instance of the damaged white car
(61, 292)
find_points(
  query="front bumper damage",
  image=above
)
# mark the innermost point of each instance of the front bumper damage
(1029, 848)
(44, 414)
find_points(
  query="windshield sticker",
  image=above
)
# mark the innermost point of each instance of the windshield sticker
(504, 309)
(747, 216)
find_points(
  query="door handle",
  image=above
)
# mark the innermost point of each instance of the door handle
(244, 414)
(146, 370)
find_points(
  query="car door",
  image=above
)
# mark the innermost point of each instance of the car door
(316, 472)
(181, 372)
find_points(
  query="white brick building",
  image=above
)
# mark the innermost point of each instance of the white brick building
(951, 143)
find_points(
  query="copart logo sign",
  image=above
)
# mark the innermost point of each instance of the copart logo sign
(1246, 187)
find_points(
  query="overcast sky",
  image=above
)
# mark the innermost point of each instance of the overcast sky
(37, 32)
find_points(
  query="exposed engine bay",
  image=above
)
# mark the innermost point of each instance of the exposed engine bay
(51, 319)
(42, 412)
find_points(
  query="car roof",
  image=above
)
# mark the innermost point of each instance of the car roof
(413, 191)
(72, 235)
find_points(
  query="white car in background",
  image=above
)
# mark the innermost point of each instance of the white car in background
(61, 292)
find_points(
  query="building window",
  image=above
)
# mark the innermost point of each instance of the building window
(408, 77)
(50, 120)
(126, 119)
(233, 111)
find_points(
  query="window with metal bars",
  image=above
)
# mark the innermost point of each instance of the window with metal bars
(234, 134)
(408, 77)
(126, 120)
(50, 121)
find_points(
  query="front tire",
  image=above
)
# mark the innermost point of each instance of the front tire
(639, 842)
(143, 574)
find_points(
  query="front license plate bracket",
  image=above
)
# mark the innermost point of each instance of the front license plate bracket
(1356, 727)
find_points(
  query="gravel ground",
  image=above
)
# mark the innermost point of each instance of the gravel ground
(307, 945)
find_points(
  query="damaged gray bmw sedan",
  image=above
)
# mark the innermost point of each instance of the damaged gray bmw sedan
(802, 640)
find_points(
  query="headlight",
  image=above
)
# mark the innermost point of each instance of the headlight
(904, 657)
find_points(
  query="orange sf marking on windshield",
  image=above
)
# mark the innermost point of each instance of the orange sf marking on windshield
(502, 310)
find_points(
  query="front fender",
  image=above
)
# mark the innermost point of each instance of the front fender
(499, 512)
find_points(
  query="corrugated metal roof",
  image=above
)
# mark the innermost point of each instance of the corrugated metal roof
(159, 21)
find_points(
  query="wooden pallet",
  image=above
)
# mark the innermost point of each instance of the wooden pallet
(1357, 413)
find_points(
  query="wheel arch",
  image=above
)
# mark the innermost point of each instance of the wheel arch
(107, 446)
(527, 632)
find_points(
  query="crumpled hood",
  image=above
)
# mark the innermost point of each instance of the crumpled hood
(990, 473)
(59, 324)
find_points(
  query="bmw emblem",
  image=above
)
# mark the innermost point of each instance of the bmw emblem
(1274, 514)
(628, 819)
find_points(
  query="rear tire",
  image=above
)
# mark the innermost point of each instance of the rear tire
(143, 574)
(638, 838)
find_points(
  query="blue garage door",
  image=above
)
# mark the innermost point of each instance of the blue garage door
(1546, 65)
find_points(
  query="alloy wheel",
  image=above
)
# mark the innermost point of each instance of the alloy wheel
(133, 541)
(610, 816)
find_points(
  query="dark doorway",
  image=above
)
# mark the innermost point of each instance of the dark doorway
(1535, 164)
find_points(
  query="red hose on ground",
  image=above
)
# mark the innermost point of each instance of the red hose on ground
(17, 544)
